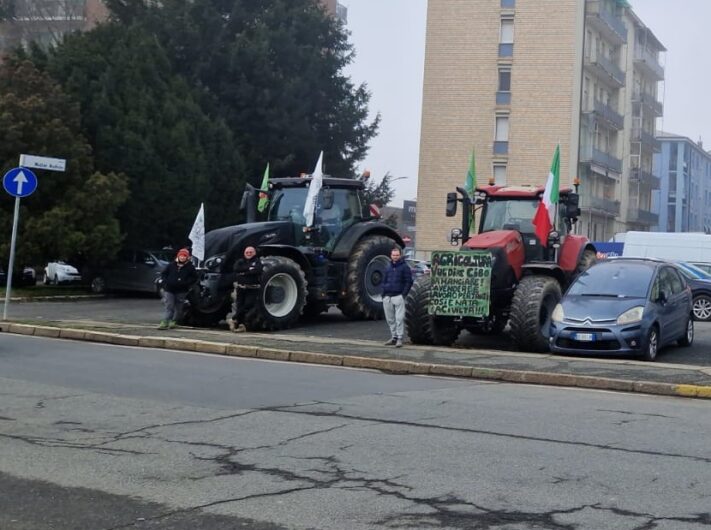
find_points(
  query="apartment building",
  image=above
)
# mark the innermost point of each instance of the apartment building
(336, 9)
(47, 21)
(683, 202)
(513, 78)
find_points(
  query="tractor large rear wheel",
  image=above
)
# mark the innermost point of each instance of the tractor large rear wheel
(281, 297)
(531, 309)
(422, 327)
(364, 277)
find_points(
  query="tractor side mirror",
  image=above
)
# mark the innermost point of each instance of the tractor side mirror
(249, 203)
(327, 198)
(572, 206)
(451, 204)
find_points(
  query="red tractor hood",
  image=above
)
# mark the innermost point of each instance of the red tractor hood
(506, 244)
(496, 238)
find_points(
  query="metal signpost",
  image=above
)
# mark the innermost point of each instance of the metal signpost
(21, 182)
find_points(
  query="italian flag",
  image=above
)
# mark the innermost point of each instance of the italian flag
(545, 214)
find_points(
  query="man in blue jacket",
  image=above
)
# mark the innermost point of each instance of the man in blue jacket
(396, 285)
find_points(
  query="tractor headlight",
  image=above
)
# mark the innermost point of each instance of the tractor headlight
(214, 262)
(631, 316)
(558, 315)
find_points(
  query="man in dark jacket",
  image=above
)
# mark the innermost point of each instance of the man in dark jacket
(396, 285)
(176, 279)
(248, 275)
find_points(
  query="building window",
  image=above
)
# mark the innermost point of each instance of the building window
(500, 174)
(501, 136)
(506, 37)
(504, 79)
(508, 4)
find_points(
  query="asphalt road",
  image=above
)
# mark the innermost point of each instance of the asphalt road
(103, 437)
(147, 311)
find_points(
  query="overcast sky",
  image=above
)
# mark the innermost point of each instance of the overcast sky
(389, 38)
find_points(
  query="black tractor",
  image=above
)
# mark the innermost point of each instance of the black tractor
(339, 260)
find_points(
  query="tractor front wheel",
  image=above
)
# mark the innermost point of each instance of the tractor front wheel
(531, 309)
(422, 327)
(281, 297)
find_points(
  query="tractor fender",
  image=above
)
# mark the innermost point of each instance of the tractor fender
(545, 269)
(357, 232)
(572, 250)
(286, 251)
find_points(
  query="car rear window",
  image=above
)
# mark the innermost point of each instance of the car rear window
(630, 280)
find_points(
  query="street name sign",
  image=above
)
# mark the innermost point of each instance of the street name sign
(43, 162)
(19, 182)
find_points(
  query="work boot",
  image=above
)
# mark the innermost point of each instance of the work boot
(172, 324)
(163, 324)
(398, 343)
(240, 329)
(391, 342)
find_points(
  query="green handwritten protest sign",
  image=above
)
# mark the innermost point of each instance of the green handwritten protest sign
(461, 283)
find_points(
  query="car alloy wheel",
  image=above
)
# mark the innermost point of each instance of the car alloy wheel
(702, 308)
(651, 346)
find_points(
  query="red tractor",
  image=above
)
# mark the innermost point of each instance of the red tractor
(527, 278)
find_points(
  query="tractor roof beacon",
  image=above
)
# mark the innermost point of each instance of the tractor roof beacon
(527, 277)
(340, 260)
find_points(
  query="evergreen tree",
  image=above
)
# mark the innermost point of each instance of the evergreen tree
(145, 121)
(274, 70)
(72, 213)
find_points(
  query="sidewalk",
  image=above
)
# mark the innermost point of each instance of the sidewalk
(610, 374)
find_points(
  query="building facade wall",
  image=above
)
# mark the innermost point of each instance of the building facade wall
(684, 203)
(462, 62)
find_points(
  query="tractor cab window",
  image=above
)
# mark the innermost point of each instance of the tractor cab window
(510, 215)
(288, 205)
(345, 211)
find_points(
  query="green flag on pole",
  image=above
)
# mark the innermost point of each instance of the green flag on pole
(470, 183)
(264, 191)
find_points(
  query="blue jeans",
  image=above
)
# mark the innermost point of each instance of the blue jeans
(173, 303)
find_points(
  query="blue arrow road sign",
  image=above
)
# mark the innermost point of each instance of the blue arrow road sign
(20, 182)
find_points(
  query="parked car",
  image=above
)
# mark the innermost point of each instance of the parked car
(628, 306)
(700, 283)
(22, 276)
(418, 267)
(132, 270)
(59, 272)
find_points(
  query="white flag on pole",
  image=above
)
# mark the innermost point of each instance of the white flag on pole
(197, 235)
(314, 188)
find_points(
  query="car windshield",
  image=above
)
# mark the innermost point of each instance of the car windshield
(693, 272)
(510, 215)
(621, 280)
(163, 255)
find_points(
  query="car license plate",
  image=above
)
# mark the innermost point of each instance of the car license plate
(585, 337)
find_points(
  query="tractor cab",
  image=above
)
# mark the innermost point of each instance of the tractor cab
(513, 209)
(338, 207)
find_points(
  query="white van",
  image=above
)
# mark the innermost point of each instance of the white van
(694, 247)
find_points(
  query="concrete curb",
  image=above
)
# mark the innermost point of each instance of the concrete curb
(353, 361)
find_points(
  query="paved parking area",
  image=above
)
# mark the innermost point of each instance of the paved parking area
(332, 325)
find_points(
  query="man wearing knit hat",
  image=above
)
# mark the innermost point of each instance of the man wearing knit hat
(177, 279)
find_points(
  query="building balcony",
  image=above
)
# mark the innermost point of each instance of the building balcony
(609, 24)
(590, 155)
(605, 70)
(643, 217)
(600, 205)
(606, 113)
(649, 101)
(644, 178)
(648, 62)
(647, 140)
